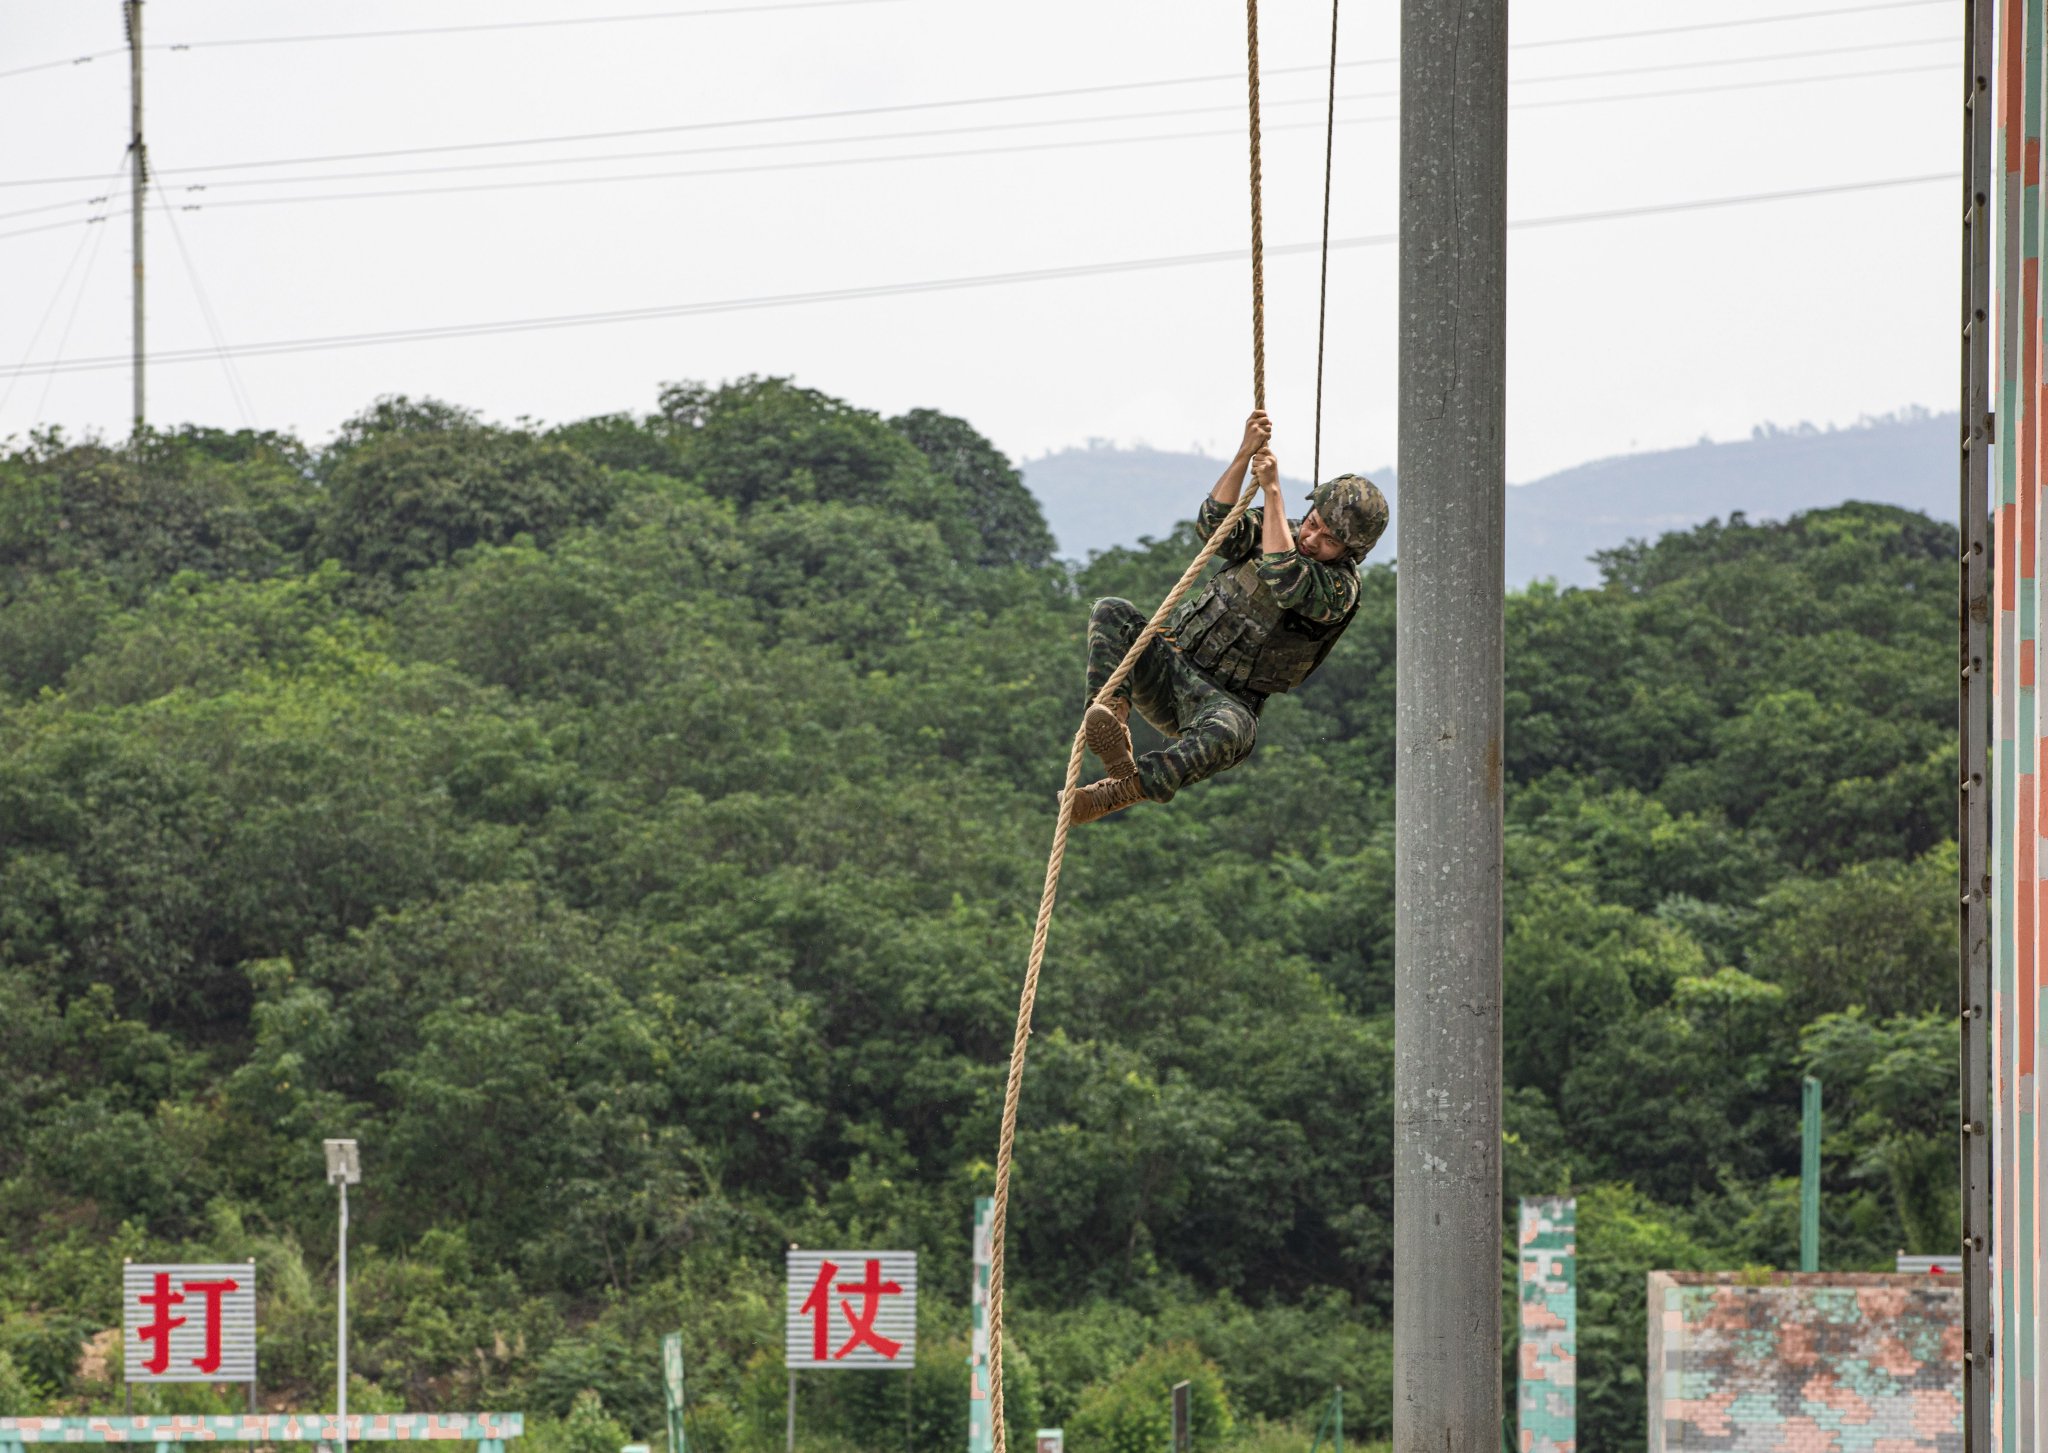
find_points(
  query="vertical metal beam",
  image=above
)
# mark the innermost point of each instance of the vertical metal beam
(1809, 1174)
(1448, 727)
(1973, 805)
(138, 181)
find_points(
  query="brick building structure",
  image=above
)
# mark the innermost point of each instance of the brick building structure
(1805, 1363)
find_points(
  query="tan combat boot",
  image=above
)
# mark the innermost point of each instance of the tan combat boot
(1107, 730)
(1099, 799)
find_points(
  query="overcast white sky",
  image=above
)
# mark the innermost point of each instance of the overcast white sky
(1627, 334)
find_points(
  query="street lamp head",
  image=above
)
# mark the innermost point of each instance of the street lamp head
(343, 1169)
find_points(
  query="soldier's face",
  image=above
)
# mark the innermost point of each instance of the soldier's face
(1316, 542)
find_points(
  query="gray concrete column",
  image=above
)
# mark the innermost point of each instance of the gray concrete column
(1448, 729)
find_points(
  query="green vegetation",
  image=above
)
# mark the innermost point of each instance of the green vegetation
(628, 832)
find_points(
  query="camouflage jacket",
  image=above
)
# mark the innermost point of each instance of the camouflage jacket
(1267, 622)
(1310, 588)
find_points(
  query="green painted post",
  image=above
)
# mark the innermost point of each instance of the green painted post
(1338, 1412)
(1809, 1175)
(672, 1390)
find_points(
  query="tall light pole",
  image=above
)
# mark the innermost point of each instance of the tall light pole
(343, 1171)
(1448, 727)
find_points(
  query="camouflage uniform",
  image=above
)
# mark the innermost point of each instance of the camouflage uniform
(1213, 728)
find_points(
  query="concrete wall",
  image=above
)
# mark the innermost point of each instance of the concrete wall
(1821, 1363)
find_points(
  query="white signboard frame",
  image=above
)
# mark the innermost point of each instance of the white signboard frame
(862, 1313)
(188, 1323)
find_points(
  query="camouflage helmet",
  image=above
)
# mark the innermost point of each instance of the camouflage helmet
(1354, 510)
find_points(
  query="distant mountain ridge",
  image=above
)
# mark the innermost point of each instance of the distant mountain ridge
(1102, 496)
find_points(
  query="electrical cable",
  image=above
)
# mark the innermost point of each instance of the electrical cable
(500, 25)
(907, 106)
(64, 338)
(57, 295)
(1698, 25)
(77, 60)
(787, 143)
(814, 163)
(525, 24)
(57, 206)
(43, 322)
(59, 226)
(495, 327)
(236, 388)
(1071, 144)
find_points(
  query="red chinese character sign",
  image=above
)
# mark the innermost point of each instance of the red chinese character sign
(189, 1323)
(851, 1309)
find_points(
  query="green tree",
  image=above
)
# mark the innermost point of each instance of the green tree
(1889, 1091)
(1000, 510)
(1133, 1412)
(411, 485)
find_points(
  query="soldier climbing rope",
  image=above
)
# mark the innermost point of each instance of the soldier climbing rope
(1069, 797)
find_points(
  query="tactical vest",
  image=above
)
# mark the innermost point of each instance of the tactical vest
(1245, 640)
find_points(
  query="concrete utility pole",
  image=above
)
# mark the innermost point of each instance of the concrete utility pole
(1448, 727)
(138, 177)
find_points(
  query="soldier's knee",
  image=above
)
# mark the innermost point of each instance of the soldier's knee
(1243, 728)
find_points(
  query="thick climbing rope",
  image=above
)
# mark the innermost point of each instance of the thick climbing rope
(1013, 1087)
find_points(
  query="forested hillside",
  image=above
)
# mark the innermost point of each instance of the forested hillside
(628, 831)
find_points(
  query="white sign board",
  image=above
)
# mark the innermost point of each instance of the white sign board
(189, 1323)
(851, 1309)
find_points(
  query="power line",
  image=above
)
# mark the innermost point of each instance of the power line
(1725, 24)
(56, 295)
(248, 40)
(1071, 144)
(815, 163)
(57, 207)
(236, 389)
(496, 327)
(1039, 123)
(64, 339)
(990, 100)
(55, 226)
(77, 60)
(527, 24)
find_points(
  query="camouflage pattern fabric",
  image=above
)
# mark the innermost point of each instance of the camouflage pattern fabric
(1310, 588)
(1212, 729)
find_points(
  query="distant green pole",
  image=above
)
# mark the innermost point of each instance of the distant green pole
(1332, 1422)
(672, 1390)
(1809, 1175)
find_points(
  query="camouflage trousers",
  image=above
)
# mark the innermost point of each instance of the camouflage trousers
(1211, 729)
